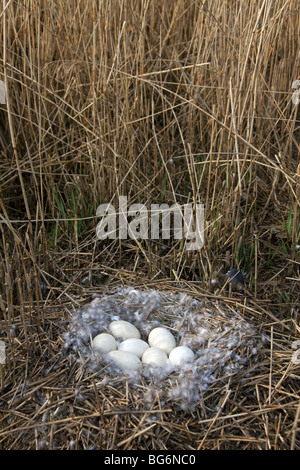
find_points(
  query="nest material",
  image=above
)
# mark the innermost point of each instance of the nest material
(224, 343)
(55, 395)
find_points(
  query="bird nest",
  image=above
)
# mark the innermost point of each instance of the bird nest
(240, 392)
(225, 345)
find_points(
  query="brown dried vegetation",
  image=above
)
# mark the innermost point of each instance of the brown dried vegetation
(162, 102)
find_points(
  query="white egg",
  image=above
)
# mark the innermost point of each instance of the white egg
(162, 338)
(155, 356)
(123, 329)
(134, 346)
(181, 355)
(124, 360)
(104, 342)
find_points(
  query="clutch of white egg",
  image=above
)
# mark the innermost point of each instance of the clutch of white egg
(124, 347)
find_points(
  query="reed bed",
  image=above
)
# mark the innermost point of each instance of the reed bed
(161, 102)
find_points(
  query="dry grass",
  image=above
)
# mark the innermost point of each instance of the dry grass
(160, 101)
(50, 401)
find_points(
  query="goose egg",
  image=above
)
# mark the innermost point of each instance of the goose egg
(162, 338)
(155, 356)
(104, 343)
(180, 355)
(124, 360)
(123, 329)
(134, 346)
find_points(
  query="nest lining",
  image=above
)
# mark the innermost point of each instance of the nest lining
(224, 343)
